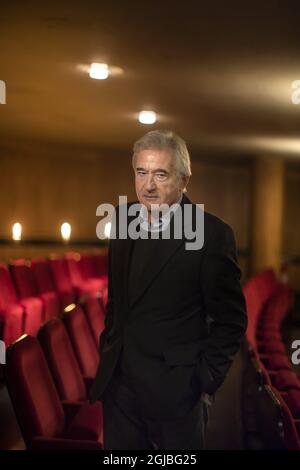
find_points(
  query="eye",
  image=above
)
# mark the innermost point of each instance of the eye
(161, 176)
(141, 173)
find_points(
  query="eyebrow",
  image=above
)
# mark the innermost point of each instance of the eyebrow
(158, 170)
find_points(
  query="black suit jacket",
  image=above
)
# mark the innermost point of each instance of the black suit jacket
(182, 330)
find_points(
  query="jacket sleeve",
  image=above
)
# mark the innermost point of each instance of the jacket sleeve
(225, 309)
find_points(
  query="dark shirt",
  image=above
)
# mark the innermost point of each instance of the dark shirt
(143, 251)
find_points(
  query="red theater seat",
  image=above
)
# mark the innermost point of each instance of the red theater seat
(271, 347)
(87, 266)
(266, 284)
(94, 311)
(43, 275)
(266, 414)
(84, 287)
(11, 320)
(100, 262)
(254, 307)
(62, 280)
(292, 399)
(62, 362)
(269, 336)
(277, 362)
(29, 321)
(27, 289)
(42, 418)
(285, 380)
(82, 340)
(90, 273)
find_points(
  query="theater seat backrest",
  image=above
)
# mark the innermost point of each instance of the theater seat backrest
(8, 294)
(62, 361)
(82, 341)
(72, 263)
(32, 391)
(43, 275)
(95, 315)
(100, 264)
(60, 273)
(23, 279)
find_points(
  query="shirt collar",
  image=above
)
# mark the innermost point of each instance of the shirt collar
(161, 223)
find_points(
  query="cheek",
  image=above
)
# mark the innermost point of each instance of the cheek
(171, 193)
(138, 186)
(166, 191)
(171, 188)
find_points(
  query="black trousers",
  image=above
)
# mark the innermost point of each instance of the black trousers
(125, 427)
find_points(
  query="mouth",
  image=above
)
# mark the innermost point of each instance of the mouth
(150, 197)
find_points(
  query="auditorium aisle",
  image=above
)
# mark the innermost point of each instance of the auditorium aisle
(225, 431)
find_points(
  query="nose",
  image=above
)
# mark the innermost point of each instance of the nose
(150, 183)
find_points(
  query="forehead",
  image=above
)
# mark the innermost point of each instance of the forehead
(163, 159)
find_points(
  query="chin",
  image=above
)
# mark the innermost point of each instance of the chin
(148, 202)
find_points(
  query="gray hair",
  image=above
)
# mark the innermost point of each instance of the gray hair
(165, 140)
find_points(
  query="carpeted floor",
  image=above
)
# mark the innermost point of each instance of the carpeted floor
(225, 430)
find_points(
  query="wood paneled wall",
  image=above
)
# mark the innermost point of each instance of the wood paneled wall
(42, 190)
(43, 186)
(291, 221)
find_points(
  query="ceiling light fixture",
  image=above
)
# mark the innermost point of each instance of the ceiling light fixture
(98, 71)
(147, 117)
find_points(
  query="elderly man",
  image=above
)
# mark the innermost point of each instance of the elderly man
(175, 314)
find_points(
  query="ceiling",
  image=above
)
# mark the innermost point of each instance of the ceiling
(217, 73)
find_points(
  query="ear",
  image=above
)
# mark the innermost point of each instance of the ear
(184, 182)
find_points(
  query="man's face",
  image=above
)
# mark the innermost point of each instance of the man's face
(156, 178)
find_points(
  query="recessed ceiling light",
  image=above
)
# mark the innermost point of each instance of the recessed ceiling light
(99, 71)
(96, 68)
(147, 117)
